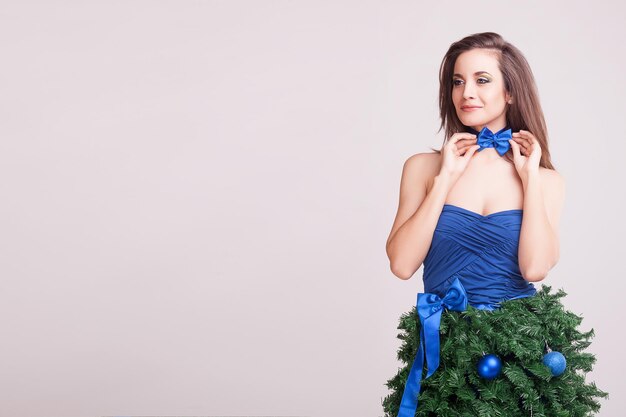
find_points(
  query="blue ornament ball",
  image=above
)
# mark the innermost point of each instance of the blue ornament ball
(555, 361)
(489, 366)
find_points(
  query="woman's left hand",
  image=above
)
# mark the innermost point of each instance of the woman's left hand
(526, 153)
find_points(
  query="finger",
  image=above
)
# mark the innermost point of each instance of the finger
(523, 143)
(527, 135)
(461, 135)
(522, 149)
(465, 142)
(529, 145)
(462, 149)
(471, 151)
(532, 141)
(520, 135)
(470, 140)
(515, 148)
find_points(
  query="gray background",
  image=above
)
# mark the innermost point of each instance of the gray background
(196, 195)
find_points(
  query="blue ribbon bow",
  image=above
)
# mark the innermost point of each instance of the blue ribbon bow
(429, 309)
(499, 140)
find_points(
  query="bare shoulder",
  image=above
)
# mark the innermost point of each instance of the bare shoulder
(424, 166)
(425, 159)
(552, 180)
(414, 185)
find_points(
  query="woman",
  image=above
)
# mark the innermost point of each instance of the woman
(482, 215)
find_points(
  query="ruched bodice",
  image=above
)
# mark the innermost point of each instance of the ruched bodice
(479, 250)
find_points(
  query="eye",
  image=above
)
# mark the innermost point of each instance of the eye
(480, 81)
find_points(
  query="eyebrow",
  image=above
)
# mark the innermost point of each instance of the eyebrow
(476, 73)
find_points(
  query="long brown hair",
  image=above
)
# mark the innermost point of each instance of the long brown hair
(524, 113)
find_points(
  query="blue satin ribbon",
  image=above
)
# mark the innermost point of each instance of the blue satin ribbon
(499, 140)
(429, 309)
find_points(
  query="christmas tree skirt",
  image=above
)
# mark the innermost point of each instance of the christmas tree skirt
(520, 333)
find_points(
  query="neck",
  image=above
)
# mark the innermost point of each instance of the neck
(488, 155)
(493, 127)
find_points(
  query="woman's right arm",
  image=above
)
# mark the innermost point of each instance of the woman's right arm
(419, 209)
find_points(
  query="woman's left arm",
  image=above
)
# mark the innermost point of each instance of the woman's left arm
(544, 194)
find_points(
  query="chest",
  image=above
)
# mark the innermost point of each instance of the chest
(487, 188)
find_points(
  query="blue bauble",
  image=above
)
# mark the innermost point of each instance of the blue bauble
(555, 361)
(489, 366)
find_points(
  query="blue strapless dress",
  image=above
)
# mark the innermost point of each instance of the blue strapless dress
(472, 260)
(481, 251)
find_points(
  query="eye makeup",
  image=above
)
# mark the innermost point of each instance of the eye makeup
(481, 80)
(476, 73)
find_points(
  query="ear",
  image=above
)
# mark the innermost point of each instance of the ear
(508, 98)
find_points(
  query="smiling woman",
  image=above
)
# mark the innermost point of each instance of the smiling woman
(482, 215)
(502, 89)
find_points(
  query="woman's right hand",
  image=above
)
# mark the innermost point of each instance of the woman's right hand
(456, 154)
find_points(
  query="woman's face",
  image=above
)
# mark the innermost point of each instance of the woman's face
(478, 82)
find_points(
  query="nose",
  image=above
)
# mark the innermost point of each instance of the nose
(468, 91)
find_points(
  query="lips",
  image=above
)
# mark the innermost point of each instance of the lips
(470, 107)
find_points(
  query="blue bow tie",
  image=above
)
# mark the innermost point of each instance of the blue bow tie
(499, 140)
